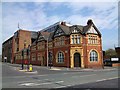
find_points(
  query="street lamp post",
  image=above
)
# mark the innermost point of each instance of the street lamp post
(23, 54)
(47, 52)
(22, 59)
(28, 54)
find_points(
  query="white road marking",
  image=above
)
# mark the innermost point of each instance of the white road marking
(32, 81)
(34, 75)
(101, 80)
(106, 79)
(85, 83)
(38, 84)
(26, 76)
(84, 75)
(48, 79)
(64, 86)
(65, 73)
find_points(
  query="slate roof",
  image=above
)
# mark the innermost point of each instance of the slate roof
(67, 30)
(45, 34)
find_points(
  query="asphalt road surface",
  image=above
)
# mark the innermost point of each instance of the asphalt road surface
(46, 78)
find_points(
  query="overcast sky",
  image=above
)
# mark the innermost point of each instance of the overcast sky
(38, 15)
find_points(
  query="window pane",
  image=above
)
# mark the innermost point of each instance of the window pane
(60, 57)
(93, 56)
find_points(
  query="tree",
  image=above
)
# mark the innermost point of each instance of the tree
(110, 53)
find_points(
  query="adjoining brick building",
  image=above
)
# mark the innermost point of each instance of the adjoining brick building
(69, 46)
(11, 48)
(23, 39)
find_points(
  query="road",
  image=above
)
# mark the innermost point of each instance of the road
(46, 78)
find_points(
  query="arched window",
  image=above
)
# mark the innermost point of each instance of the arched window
(60, 57)
(93, 56)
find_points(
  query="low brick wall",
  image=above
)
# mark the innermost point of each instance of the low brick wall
(116, 65)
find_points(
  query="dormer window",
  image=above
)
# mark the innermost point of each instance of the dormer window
(59, 32)
(75, 30)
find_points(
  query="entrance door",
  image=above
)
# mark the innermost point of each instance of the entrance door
(77, 60)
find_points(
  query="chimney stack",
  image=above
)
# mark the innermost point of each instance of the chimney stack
(63, 23)
(89, 22)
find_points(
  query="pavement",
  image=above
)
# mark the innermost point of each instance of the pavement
(106, 68)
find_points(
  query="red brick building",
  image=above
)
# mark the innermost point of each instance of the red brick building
(68, 46)
(60, 45)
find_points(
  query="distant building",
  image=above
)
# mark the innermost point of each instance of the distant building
(8, 50)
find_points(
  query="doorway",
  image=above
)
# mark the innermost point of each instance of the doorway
(77, 60)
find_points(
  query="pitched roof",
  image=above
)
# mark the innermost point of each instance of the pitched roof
(65, 29)
(45, 35)
(78, 27)
(51, 36)
(87, 27)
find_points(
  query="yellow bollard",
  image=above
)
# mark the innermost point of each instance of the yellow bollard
(30, 68)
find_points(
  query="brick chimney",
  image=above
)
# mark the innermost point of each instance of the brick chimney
(63, 23)
(89, 22)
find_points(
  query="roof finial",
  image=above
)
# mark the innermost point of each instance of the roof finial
(18, 26)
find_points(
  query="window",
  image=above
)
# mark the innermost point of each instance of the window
(75, 30)
(50, 44)
(75, 39)
(62, 43)
(59, 32)
(92, 39)
(17, 49)
(93, 56)
(60, 57)
(72, 39)
(78, 39)
(33, 57)
(59, 41)
(38, 58)
(33, 48)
